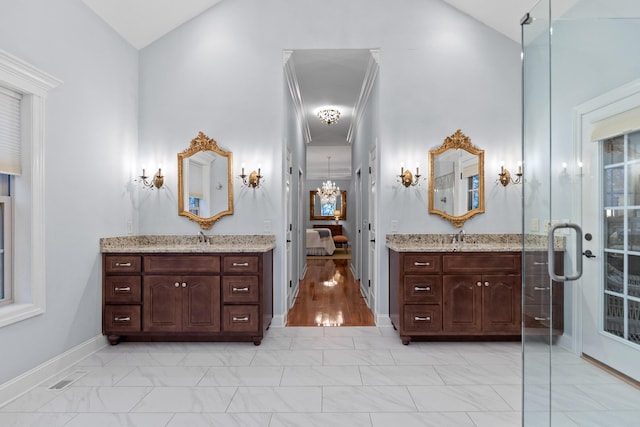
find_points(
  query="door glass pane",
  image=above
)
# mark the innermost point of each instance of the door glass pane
(634, 321)
(634, 146)
(614, 280)
(613, 151)
(614, 186)
(614, 228)
(614, 315)
(634, 276)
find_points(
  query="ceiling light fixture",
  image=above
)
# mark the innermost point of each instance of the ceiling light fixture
(329, 191)
(328, 116)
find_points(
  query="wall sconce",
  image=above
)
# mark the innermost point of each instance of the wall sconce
(336, 215)
(157, 181)
(504, 177)
(253, 179)
(407, 178)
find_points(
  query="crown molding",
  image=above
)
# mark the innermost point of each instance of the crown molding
(365, 92)
(294, 90)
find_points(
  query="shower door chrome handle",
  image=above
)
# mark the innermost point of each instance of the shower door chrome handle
(551, 257)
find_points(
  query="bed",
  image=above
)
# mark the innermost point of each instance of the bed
(320, 242)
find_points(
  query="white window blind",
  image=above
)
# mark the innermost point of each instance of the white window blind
(619, 124)
(10, 132)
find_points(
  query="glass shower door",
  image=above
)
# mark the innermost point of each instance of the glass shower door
(577, 65)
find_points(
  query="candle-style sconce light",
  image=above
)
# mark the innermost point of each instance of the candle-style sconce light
(407, 178)
(253, 179)
(504, 177)
(156, 181)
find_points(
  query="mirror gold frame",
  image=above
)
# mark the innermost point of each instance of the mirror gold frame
(457, 141)
(199, 144)
(312, 207)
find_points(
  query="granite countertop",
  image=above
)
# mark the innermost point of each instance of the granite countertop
(472, 243)
(188, 243)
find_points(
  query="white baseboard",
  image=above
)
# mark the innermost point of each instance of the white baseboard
(278, 321)
(383, 320)
(23, 383)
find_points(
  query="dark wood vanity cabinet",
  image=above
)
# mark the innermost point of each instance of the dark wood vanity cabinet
(213, 297)
(543, 298)
(454, 294)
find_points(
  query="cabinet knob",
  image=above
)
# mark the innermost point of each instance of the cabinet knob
(486, 283)
(479, 283)
(177, 285)
(184, 285)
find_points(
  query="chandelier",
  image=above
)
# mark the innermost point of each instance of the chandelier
(328, 116)
(329, 191)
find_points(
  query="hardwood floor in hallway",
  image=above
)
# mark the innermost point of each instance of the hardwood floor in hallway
(329, 295)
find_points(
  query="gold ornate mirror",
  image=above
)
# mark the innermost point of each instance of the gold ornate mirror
(320, 211)
(205, 184)
(456, 184)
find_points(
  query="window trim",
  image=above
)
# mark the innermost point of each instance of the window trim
(29, 288)
(7, 234)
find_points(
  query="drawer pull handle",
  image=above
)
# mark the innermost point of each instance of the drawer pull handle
(245, 289)
(421, 264)
(540, 263)
(422, 288)
(125, 289)
(541, 318)
(241, 264)
(422, 319)
(123, 264)
(240, 319)
(122, 319)
(538, 288)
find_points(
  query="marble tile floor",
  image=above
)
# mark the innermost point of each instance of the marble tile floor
(314, 376)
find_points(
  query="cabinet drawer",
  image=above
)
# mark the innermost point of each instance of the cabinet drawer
(122, 263)
(181, 264)
(122, 318)
(422, 318)
(242, 289)
(417, 263)
(240, 318)
(540, 316)
(481, 263)
(423, 289)
(241, 264)
(122, 289)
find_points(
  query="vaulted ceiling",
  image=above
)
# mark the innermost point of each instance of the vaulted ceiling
(325, 77)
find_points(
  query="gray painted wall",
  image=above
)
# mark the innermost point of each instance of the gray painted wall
(91, 142)
(222, 73)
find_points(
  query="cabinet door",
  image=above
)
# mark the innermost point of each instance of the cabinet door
(162, 304)
(201, 304)
(462, 298)
(501, 305)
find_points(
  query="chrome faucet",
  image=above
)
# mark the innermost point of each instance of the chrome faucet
(458, 238)
(202, 238)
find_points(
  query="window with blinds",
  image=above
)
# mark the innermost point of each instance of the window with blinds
(10, 132)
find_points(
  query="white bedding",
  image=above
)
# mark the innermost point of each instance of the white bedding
(320, 242)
